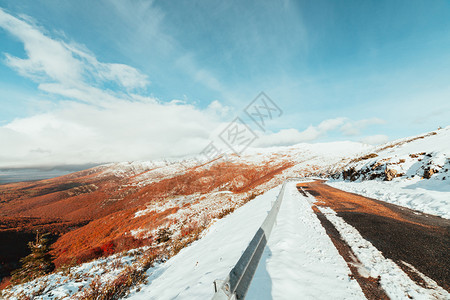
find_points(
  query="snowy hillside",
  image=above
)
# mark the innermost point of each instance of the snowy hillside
(168, 229)
(163, 205)
(424, 156)
(300, 259)
(412, 172)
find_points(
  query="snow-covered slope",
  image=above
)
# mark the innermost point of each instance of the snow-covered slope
(134, 204)
(201, 206)
(412, 172)
(424, 156)
(299, 244)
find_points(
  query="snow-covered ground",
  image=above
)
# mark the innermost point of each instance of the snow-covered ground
(65, 284)
(428, 196)
(300, 261)
(412, 172)
(191, 273)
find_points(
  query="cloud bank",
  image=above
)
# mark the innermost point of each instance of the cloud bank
(104, 113)
(345, 126)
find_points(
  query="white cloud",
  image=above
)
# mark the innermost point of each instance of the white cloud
(288, 137)
(78, 133)
(101, 125)
(375, 139)
(123, 75)
(331, 124)
(292, 136)
(62, 68)
(219, 109)
(353, 128)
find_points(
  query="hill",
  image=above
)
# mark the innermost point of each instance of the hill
(121, 206)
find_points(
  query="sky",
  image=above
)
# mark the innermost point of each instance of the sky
(89, 82)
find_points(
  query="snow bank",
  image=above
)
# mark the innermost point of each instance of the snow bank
(423, 156)
(417, 170)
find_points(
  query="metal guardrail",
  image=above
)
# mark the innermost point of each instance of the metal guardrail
(238, 281)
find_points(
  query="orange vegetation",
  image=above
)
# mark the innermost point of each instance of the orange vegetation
(98, 210)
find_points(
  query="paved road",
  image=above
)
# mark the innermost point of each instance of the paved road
(401, 234)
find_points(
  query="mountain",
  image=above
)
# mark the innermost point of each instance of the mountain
(121, 206)
(412, 172)
(424, 156)
(113, 222)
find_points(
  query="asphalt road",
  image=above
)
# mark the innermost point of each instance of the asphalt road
(401, 234)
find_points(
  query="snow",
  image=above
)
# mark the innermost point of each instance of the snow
(428, 196)
(394, 281)
(428, 281)
(300, 261)
(410, 158)
(440, 142)
(191, 273)
(319, 155)
(63, 285)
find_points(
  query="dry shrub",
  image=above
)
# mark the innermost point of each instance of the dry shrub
(251, 197)
(183, 242)
(67, 267)
(189, 229)
(131, 276)
(368, 156)
(164, 234)
(117, 264)
(225, 212)
(416, 155)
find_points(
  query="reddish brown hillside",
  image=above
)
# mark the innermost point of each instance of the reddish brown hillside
(119, 206)
(112, 232)
(94, 211)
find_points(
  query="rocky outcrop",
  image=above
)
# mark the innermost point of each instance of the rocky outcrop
(429, 172)
(350, 174)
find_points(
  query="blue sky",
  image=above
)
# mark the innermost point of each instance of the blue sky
(96, 76)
